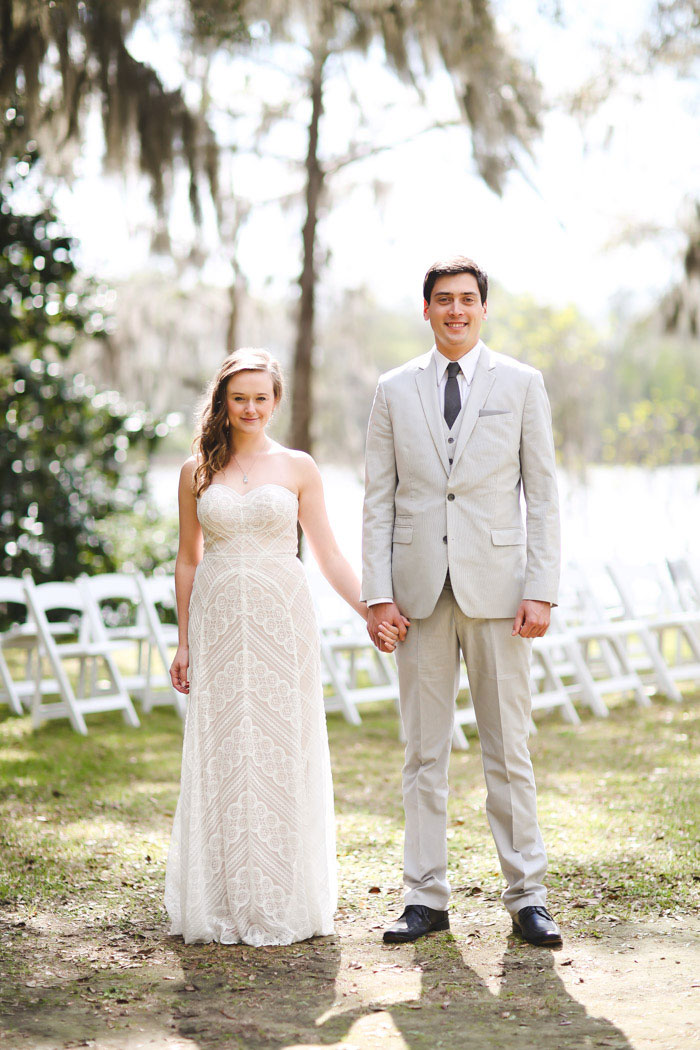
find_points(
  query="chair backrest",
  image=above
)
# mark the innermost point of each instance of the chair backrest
(158, 591)
(645, 590)
(63, 597)
(49, 597)
(113, 586)
(12, 591)
(13, 602)
(114, 599)
(686, 583)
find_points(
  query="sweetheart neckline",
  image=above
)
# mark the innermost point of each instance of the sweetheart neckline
(244, 495)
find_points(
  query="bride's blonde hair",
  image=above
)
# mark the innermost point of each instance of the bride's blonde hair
(211, 444)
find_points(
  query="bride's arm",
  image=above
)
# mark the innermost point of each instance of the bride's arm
(332, 563)
(189, 555)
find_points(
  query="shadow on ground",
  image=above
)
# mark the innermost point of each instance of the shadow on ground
(149, 990)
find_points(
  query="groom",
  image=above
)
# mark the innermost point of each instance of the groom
(455, 438)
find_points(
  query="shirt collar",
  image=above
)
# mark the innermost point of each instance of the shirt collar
(467, 363)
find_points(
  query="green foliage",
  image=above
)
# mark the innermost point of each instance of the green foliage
(69, 456)
(570, 353)
(59, 59)
(140, 539)
(653, 401)
(63, 461)
(41, 309)
(630, 398)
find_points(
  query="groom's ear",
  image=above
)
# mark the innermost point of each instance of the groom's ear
(425, 309)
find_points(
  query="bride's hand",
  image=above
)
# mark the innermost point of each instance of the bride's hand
(389, 636)
(178, 669)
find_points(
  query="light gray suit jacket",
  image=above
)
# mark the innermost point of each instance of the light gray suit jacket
(421, 517)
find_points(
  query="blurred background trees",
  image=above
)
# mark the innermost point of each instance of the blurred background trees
(59, 58)
(70, 456)
(248, 108)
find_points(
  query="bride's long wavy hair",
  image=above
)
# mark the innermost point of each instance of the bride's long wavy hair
(211, 444)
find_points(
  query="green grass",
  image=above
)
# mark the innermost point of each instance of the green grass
(84, 951)
(84, 822)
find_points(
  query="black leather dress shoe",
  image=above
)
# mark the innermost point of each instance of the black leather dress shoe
(416, 921)
(536, 925)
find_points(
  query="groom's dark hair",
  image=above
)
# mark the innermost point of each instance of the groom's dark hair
(448, 267)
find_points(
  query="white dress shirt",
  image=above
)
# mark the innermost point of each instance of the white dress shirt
(467, 367)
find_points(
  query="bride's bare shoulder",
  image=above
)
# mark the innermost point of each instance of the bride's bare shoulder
(188, 468)
(295, 457)
(299, 466)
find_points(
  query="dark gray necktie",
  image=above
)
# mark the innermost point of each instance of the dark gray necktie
(453, 401)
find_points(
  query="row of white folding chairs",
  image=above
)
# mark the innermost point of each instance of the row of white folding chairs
(86, 638)
(610, 634)
(600, 644)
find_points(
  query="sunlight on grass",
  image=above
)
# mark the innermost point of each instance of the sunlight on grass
(87, 820)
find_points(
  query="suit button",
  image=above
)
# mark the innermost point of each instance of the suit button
(451, 461)
(451, 496)
(444, 539)
(450, 441)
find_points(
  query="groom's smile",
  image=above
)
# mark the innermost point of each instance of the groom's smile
(455, 313)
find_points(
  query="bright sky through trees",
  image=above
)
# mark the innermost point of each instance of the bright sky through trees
(556, 234)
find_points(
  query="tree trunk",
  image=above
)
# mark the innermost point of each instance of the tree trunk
(302, 368)
(236, 295)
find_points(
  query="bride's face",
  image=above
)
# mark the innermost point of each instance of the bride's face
(250, 401)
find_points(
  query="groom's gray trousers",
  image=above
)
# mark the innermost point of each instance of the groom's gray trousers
(498, 669)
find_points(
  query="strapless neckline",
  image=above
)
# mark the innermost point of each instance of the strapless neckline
(257, 488)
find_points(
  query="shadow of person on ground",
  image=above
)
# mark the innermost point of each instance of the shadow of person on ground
(280, 997)
(456, 1009)
(269, 997)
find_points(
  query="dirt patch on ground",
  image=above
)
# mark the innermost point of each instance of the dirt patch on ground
(614, 984)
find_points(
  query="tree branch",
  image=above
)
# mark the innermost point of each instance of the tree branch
(373, 151)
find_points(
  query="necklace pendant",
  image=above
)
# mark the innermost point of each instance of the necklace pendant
(245, 479)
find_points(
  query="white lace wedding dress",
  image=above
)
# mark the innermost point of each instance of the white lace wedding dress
(252, 854)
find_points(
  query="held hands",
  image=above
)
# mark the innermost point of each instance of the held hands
(531, 619)
(386, 625)
(178, 669)
(389, 635)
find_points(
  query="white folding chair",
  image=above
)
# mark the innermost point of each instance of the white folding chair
(686, 582)
(609, 648)
(358, 673)
(21, 637)
(158, 593)
(546, 682)
(647, 594)
(464, 714)
(18, 635)
(91, 694)
(114, 604)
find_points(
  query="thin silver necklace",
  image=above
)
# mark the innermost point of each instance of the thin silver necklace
(243, 472)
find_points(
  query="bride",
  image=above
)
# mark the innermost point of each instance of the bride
(252, 854)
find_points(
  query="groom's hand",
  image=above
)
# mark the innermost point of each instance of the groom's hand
(386, 612)
(531, 619)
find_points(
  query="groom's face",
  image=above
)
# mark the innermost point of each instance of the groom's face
(455, 313)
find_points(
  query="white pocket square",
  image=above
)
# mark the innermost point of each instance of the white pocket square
(494, 412)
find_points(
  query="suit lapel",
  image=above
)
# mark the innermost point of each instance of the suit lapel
(428, 391)
(482, 382)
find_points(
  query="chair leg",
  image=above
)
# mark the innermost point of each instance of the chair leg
(663, 677)
(622, 655)
(589, 689)
(9, 686)
(459, 739)
(350, 711)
